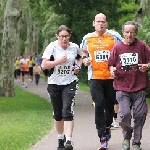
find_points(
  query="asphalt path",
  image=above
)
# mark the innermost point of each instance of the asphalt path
(84, 133)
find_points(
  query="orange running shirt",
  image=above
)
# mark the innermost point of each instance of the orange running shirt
(99, 48)
(24, 65)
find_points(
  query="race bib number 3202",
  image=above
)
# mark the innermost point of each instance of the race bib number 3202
(102, 55)
(63, 70)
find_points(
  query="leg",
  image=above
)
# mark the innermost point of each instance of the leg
(56, 100)
(68, 97)
(139, 115)
(96, 89)
(115, 118)
(125, 104)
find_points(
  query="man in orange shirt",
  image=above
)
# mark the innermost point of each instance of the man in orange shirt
(96, 48)
(24, 62)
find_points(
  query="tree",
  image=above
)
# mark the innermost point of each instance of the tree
(12, 18)
(143, 11)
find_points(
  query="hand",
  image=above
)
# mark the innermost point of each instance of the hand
(87, 61)
(62, 59)
(142, 67)
(112, 71)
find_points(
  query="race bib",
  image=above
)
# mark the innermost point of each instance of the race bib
(101, 55)
(129, 61)
(63, 70)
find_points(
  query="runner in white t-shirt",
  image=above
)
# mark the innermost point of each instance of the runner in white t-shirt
(63, 83)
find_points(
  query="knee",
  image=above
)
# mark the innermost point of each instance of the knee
(68, 118)
(57, 117)
(126, 115)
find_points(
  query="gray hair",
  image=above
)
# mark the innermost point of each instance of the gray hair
(137, 25)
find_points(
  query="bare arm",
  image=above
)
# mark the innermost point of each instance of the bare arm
(47, 64)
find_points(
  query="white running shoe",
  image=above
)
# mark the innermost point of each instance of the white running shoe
(115, 123)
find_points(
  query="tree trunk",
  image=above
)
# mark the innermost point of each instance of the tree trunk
(35, 39)
(12, 16)
(28, 42)
(144, 10)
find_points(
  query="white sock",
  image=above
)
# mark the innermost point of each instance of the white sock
(61, 136)
(68, 138)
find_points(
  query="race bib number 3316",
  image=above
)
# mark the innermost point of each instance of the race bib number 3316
(129, 59)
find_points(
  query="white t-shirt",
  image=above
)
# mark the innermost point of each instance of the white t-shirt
(63, 73)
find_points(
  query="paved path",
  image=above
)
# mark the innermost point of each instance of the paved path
(84, 134)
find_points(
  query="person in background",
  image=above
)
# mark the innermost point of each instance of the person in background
(115, 123)
(36, 71)
(39, 59)
(96, 48)
(24, 62)
(31, 64)
(17, 68)
(128, 64)
(63, 83)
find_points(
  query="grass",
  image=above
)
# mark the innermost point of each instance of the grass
(84, 87)
(25, 119)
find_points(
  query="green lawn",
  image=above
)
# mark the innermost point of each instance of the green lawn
(24, 119)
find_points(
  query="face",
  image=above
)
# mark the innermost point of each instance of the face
(100, 23)
(63, 37)
(129, 34)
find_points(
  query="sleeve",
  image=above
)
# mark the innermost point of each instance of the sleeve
(112, 58)
(116, 35)
(48, 51)
(79, 50)
(83, 44)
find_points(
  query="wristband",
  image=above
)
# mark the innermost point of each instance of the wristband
(78, 66)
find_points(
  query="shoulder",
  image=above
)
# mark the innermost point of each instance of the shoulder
(74, 45)
(140, 42)
(115, 34)
(88, 35)
(52, 44)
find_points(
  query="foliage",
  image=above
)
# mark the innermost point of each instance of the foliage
(25, 119)
(82, 75)
(144, 31)
(126, 12)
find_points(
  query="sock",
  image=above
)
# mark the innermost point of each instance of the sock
(68, 138)
(115, 115)
(61, 136)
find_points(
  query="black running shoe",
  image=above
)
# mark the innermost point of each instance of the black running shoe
(60, 144)
(68, 146)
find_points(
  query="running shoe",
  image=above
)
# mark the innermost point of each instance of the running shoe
(115, 123)
(126, 145)
(103, 144)
(136, 147)
(60, 144)
(68, 146)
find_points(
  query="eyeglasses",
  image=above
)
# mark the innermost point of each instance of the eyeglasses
(64, 36)
(103, 22)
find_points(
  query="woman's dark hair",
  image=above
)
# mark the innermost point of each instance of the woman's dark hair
(62, 28)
